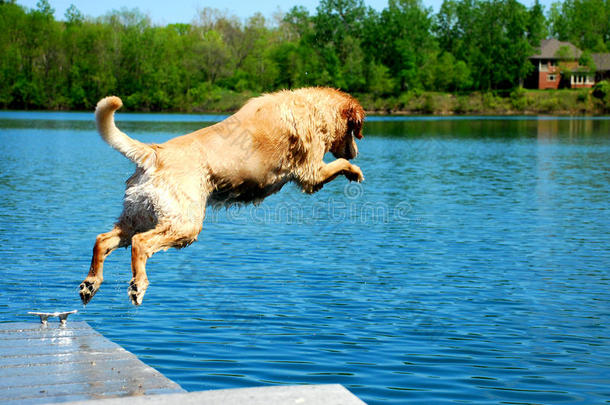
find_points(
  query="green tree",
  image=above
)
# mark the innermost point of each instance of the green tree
(491, 37)
(13, 22)
(337, 19)
(536, 25)
(587, 62)
(73, 16)
(213, 56)
(448, 74)
(337, 36)
(406, 28)
(308, 59)
(457, 28)
(259, 65)
(585, 23)
(468, 44)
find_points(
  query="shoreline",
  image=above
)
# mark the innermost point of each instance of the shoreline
(566, 102)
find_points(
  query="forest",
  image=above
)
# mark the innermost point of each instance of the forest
(219, 60)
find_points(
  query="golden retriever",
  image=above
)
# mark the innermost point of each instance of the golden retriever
(270, 141)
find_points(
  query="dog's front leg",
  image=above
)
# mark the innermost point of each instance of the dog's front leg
(330, 171)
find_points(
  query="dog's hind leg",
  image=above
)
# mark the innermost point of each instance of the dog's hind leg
(105, 243)
(145, 244)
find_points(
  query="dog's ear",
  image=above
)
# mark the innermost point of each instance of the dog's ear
(354, 114)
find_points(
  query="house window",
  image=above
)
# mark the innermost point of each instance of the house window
(581, 79)
(551, 78)
(543, 66)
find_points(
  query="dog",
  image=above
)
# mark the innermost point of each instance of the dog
(272, 140)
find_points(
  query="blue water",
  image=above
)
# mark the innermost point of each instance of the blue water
(471, 266)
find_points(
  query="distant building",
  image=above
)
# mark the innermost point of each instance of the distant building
(556, 66)
(602, 66)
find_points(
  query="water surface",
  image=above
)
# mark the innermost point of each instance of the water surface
(471, 265)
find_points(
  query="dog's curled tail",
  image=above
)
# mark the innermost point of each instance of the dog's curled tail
(140, 153)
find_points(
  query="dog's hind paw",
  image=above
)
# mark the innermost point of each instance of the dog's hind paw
(136, 291)
(88, 288)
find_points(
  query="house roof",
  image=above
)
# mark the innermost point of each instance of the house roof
(602, 61)
(549, 49)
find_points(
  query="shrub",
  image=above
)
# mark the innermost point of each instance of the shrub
(490, 102)
(461, 105)
(551, 105)
(601, 91)
(404, 99)
(428, 106)
(518, 99)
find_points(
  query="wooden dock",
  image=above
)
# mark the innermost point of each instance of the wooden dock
(54, 363)
(73, 363)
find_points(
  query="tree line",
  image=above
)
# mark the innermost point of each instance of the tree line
(468, 45)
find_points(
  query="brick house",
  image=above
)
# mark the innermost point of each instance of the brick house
(551, 59)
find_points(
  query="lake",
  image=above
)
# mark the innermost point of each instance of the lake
(472, 265)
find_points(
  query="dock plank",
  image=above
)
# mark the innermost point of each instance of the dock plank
(333, 394)
(53, 363)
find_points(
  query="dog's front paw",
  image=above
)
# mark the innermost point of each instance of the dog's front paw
(136, 291)
(88, 288)
(355, 174)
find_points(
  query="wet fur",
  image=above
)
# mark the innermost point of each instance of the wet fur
(272, 140)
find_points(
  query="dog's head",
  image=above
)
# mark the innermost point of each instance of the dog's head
(344, 145)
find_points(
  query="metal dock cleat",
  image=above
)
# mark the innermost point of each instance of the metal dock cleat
(63, 316)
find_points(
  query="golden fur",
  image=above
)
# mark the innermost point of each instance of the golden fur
(271, 140)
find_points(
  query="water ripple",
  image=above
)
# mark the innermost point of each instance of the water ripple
(471, 266)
